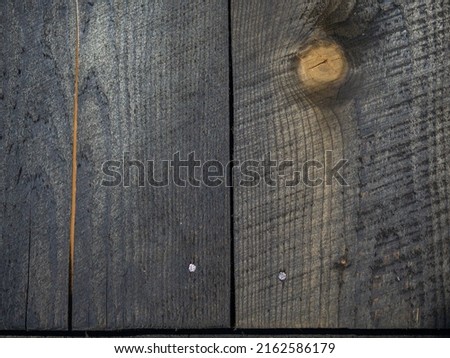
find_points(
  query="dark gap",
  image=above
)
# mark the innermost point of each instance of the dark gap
(325, 333)
(231, 157)
(69, 311)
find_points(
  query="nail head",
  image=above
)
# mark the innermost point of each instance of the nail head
(192, 268)
(282, 276)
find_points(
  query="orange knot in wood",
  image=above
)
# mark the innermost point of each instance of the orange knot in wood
(322, 66)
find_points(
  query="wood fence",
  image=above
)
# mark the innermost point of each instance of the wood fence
(219, 80)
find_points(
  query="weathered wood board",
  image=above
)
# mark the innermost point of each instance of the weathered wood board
(153, 82)
(375, 253)
(35, 135)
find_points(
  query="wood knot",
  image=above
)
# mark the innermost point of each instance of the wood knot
(322, 67)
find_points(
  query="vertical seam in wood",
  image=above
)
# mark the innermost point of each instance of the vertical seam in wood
(231, 157)
(74, 167)
(28, 271)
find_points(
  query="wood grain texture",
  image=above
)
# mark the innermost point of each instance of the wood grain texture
(36, 105)
(375, 253)
(153, 82)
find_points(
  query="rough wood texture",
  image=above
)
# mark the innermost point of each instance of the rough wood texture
(153, 82)
(36, 103)
(374, 254)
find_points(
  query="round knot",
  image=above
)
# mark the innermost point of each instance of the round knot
(322, 66)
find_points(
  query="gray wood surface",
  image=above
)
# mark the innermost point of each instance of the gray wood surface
(375, 253)
(153, 82)
(36, 104)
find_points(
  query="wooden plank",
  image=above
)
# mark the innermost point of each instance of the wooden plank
(36, 105)
(153, 82)
(375, 253)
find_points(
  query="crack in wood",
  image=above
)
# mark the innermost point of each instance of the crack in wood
(74, 166)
